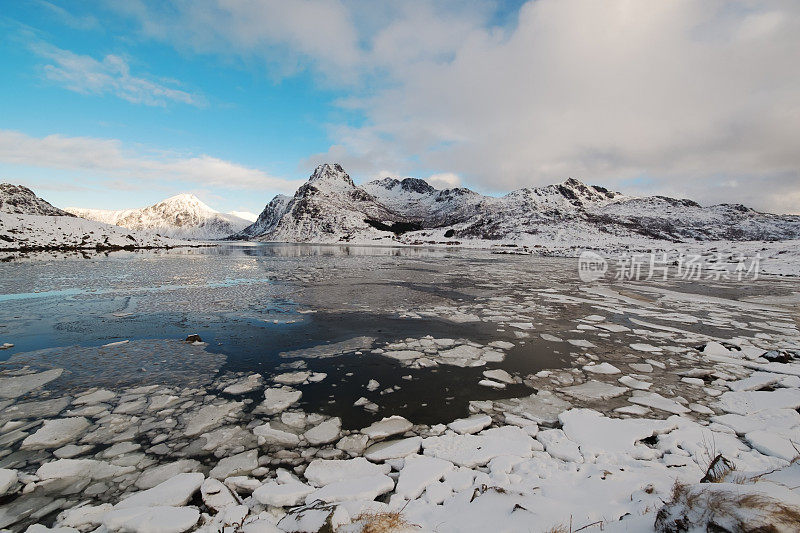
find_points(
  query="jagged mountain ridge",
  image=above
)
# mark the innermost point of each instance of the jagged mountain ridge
(329, 207)
(20, 200)
(182, 216)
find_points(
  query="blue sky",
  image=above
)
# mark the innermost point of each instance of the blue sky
(121, 104)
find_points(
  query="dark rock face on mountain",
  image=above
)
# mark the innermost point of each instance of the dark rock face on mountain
(20, 200)
(329, 207)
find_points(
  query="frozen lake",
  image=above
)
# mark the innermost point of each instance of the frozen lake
(306, 349)
(252, 303)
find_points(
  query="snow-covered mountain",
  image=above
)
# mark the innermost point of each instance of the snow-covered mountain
(20, 200)
(29, 223)
(183, 217)
(331, 208)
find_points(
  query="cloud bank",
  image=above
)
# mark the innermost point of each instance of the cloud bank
(698, 98)
(110, 159)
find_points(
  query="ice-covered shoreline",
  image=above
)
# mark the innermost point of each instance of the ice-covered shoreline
(602, 442)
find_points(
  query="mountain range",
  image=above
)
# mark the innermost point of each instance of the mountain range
(329, 208)
(182, 216)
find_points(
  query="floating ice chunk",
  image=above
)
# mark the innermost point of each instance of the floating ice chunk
(613, 328)
(393, 425)
(118, 343)
(56, 433)
(373, 385)
(272, 436)
(637, 410)
(747, 402)
(176, 491)
(235, 465)
(602, 368)
(395, 449)
(292, 378)
(655, 363)
(491, 384)
(542, 407)
(327, 431)
(550, 338)
(767, 419)
(284, 495)
(521, 325)
(633, 383)
(700, 408)
(756, 380)
(594, 390)
(321, 472)
(418, 472)
(472, 424)
(8, 480)
(157, 474)
(503, 345)
(88, 468)
(210, 415)
(492, 356)
(474, 450)
(245, 385)
(641, 367)
(98, 396)
(162, 519)
(596, 434)
(353, 444)
(462, 317)
(277, 400)
(16, 386)
(715, 348)
(581, 343)
(499, 375)
(643, 347)
(38, 528)
(656, 401)
(216, 495)
(365, 488)
(559, 446)
(83, 517)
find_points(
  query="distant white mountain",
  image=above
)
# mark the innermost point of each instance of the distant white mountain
(246, 215)
(29, 223)
(329, 208)
(182, 217)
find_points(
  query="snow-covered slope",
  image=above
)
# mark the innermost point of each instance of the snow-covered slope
(28, 222)
(21, 200)
(183, 216)
(331, 208)
(41, 232)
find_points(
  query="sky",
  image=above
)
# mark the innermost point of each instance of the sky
(114, 105)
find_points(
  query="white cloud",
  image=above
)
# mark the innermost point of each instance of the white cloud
(445, 180)
(686, 97)
(111, 75)
(109, 159)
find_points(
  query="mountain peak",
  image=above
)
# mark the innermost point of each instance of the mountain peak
(330, 173)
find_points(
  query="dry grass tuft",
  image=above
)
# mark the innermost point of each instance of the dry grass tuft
(383, 522)
(695, 507)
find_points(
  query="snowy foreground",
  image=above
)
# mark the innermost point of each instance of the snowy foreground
(620, 441)
(38, 232)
